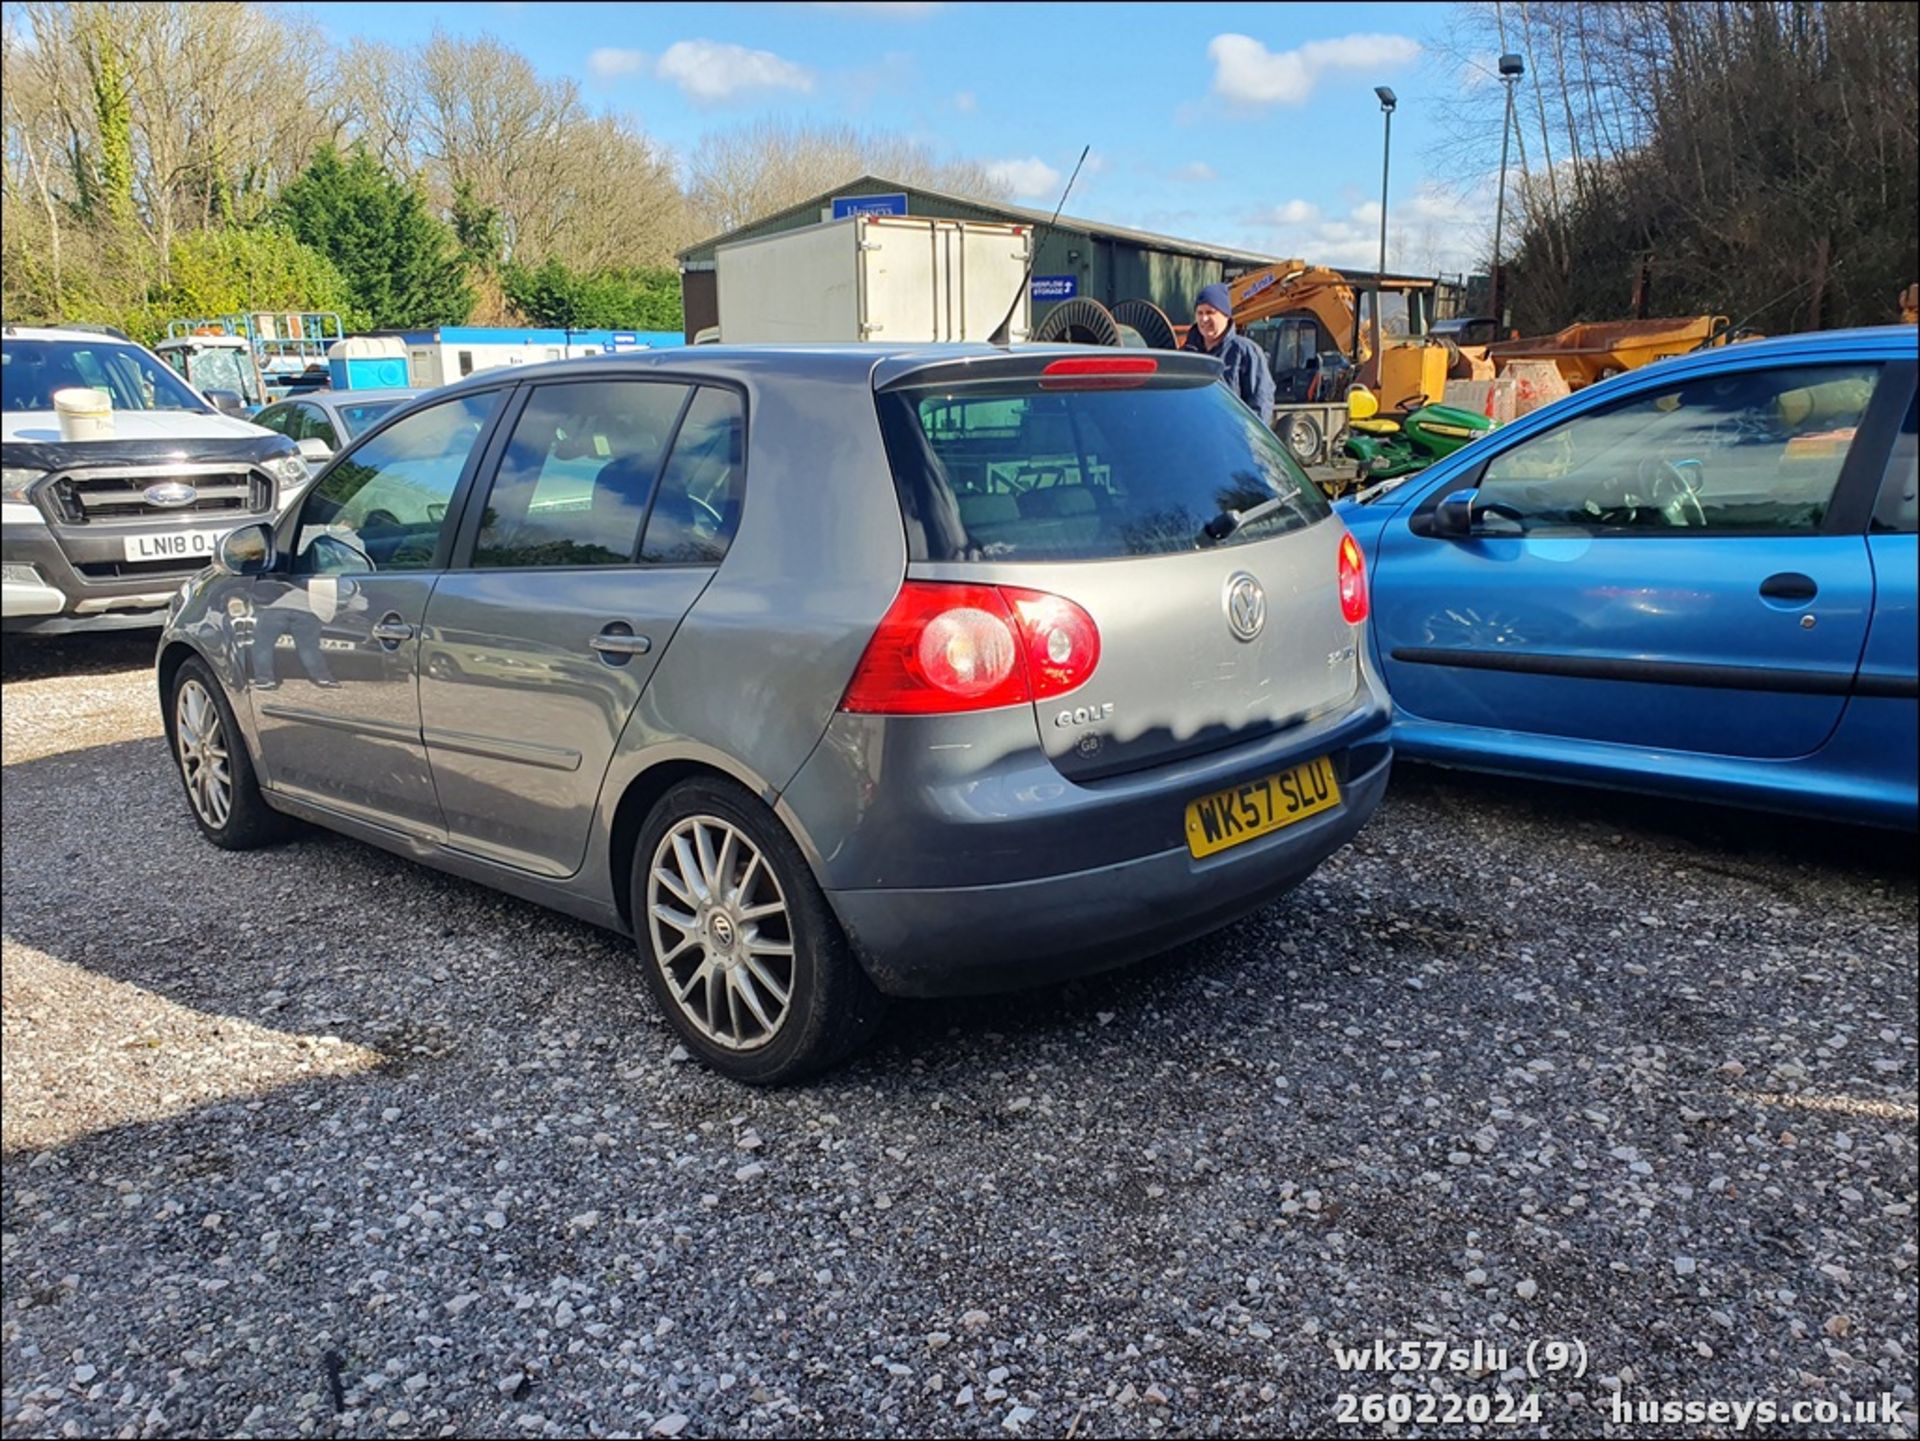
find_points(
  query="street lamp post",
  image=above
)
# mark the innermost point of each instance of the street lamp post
(1512, 67)
(1387, 103)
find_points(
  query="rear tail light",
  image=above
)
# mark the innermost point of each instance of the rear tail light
(943, 648)
(1353, 581)
(1061, 641)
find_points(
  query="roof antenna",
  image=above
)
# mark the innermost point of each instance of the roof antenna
(1002, 334)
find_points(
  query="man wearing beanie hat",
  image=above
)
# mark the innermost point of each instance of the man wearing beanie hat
(1243, 366)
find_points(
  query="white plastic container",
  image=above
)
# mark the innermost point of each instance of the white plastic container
(85, 414)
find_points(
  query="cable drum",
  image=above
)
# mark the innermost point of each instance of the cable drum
(1149, 321)
(1078, 322)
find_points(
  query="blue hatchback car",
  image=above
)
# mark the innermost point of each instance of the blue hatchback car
(1696, 579)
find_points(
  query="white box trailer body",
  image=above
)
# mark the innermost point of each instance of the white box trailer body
(888, 278)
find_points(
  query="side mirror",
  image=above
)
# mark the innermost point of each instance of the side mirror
(246, 551)
(1453, 517)
(228, 402)
(315, 449)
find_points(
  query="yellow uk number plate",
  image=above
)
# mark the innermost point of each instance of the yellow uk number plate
(1229, 818)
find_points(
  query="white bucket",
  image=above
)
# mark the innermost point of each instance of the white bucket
(84, 414)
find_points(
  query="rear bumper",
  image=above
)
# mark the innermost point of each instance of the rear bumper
(1004, 932)
(978, 939)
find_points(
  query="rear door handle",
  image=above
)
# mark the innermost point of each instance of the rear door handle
(620, 643)
(1789, 585)
(391, 630)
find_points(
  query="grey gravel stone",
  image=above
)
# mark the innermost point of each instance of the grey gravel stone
(313, 1113)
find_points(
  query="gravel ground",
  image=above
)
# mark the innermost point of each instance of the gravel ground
(315, 1142)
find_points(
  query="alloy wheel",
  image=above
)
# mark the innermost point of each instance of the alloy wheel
(721, 932)
(204, 761)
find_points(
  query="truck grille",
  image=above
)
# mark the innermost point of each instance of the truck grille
(81, 498)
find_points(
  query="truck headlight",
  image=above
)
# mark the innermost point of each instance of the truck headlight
(289, 469)
(14, 480)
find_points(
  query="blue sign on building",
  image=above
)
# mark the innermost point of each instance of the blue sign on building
(1055, 287)
(845, 205)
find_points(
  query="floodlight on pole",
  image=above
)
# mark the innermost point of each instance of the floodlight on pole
(1512, 68)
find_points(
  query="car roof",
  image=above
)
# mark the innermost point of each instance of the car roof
(61, 332)
(1878, 342)
(394, 393)
(855, 363)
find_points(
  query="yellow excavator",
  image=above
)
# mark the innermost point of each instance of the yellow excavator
(1394, 359)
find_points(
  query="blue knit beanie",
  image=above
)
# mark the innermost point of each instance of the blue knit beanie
(1216, 296)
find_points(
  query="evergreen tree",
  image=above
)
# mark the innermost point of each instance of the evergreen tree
(401, 263)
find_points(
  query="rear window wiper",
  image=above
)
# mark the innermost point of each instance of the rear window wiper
(1228, 521)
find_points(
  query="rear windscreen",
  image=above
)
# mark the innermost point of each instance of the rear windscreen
(1005, 471)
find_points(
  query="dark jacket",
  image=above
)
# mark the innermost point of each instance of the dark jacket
(1243, 369)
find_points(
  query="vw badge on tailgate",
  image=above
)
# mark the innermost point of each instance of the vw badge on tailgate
(1246, 606)
(170, 493)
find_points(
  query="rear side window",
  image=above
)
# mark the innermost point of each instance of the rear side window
(1003, 471)
(1898, 508)
(698, 508)
(573, 485)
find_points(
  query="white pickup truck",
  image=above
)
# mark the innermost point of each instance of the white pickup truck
(98, 534)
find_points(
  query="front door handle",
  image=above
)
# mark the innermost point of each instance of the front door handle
(390, 629)
(620, 643)
(1789, 585)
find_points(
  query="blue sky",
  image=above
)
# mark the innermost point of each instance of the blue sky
(1252, 125)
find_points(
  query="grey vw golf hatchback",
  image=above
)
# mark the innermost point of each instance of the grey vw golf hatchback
(825, 673)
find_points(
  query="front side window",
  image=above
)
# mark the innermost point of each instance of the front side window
(698, 508)
(1752, 451)
(383, 508)
(314, 425)
(278, 418)
(1005, 471)
(575, 479)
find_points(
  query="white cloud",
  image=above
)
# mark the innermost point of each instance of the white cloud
(1245, 72)
(710, 71)
(1435, 229)
(1197, 172)
(1026, 178)
(966, 102)
(607, 62)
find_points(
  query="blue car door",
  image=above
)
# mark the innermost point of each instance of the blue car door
(1887, 696)
(1678, 566)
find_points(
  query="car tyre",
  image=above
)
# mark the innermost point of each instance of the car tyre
(734, 933)
(215, 768)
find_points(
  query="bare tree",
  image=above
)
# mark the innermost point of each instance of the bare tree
(739, 175)
(1759, 158)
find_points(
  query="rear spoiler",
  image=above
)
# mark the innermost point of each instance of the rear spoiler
(1030, 362)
